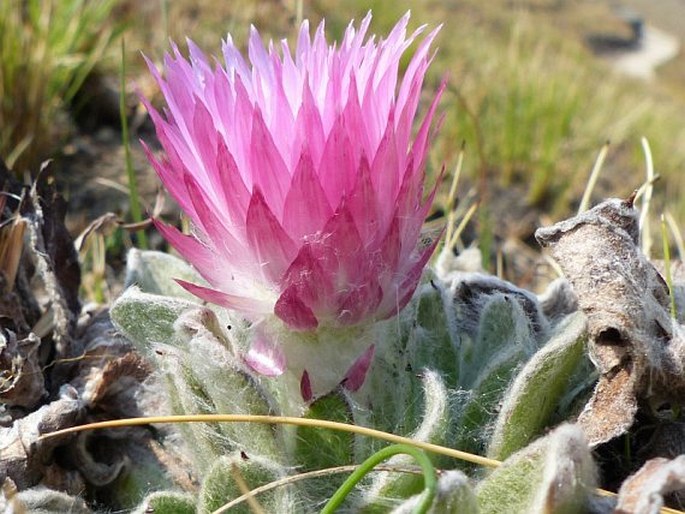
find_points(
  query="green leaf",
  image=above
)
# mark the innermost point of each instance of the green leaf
(187, 395)
(502, 324)
(233, 391)
(167, 502)
(434, 339)
(555, 474)
(220, 487)
(156, 273)
(504, 341)
(147, 319)
(538, 388)
(482, 402)
(434, 428)
(318, 448)
(213, 367)
(422, 337)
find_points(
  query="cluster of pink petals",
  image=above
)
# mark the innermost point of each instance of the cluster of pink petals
(300, 174)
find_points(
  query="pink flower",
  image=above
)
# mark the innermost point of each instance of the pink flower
(299, 174)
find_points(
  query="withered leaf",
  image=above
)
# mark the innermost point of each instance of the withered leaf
(21, 378)
(643, 492)
(634, 343)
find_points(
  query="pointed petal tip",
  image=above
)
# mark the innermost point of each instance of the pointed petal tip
(243, 304)
(294, 312)
(355, 376)
(306, 387)
(265, 357)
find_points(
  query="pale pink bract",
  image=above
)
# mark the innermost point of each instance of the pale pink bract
(299, 174)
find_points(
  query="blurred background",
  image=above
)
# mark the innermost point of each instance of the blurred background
(535, 90)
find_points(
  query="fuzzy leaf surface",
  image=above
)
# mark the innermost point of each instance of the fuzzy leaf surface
(220, 486)
(387, 488)
(146, 318)
(155, 273)
(538, 388)
(553, 475)
(168, 502)
(454, 496)
(504, 341)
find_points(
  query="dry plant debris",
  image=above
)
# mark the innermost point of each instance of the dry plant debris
(61, 365)
(636, 346)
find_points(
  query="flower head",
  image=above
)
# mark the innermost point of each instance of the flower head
(300, 174)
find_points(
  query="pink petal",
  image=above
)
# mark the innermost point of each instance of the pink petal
(236, 195)
(342, 237)
(205, 139)
(205, 217)
(306, 209)
(387, 169)
(353, 120)
(269, 171)
(411, 224)
(338, 164)
(411, 280)
(168, 174)
(306, 387)
(364, 205)
(239, 140)
(392, 246)
(294, 312)
(360, 301)
(265, 357)
(312, 274)
(206, 260)
(242, 304)
(270, 244)
(420, 146)
(410, 89)
(309, 130)
(355, 376)
(192, 250)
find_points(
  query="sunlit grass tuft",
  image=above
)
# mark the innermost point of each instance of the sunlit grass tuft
(47, 49)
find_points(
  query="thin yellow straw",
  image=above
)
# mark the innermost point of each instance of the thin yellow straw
(592, 181)
(287, 420)
(306, 476)
(281, 420)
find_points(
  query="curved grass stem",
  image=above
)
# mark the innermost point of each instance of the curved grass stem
(285, 420)
(430, 479)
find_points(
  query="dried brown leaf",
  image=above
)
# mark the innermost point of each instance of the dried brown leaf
(55, 258)
(611, 410)
(21, 378)
(643, 492)
(23, 455)
(635, 345)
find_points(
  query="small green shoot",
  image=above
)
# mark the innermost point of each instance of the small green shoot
(136, 213)
(429, 477)
(667, 266)
(47, 50)
(592, 181)
(286, 420)
(452, 198)
(645, 231)
(677, 235)
(307, 475)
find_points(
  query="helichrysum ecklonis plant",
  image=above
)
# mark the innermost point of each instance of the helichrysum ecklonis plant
(304, 185)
